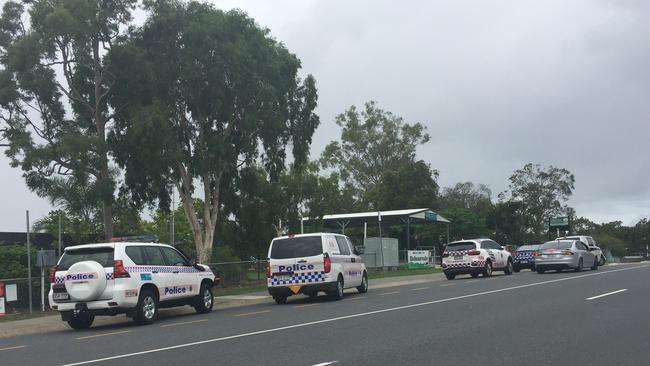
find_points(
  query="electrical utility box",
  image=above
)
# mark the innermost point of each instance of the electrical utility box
(380, 252)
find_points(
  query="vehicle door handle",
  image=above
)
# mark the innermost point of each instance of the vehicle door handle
(154, 271)
(174, 271)
(302, 261)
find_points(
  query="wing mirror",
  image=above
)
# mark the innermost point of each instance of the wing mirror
(359, 249)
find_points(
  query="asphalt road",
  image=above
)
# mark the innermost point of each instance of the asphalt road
(523, 319)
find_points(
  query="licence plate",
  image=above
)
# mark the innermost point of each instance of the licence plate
(60, 296)
(458, 257)
(283, 277)
(523, 260)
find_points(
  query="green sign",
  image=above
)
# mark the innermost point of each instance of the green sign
(418, 259)
(558, 221)
(430, 216)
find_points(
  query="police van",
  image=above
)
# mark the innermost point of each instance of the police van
(135, 279)
(313, 263)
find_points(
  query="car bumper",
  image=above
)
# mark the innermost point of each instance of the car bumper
(527, 264)
(463, 268)
(123, 299)
(556, 263)
(304, 288)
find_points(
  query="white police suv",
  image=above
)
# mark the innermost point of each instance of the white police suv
(474, 257)
(132, 278)
(310, 263)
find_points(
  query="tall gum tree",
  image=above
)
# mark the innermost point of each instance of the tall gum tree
(209, 93)
(54, 88)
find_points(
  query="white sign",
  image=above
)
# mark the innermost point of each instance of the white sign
(2, 306)
(11, 292)
(418, 258)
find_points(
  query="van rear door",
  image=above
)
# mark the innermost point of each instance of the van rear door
(296, 260)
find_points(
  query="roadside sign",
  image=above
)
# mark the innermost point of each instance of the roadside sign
(430, 216)
(45, 258)
(11, 292)
(418, 259)
(2, 306)
(558, 221)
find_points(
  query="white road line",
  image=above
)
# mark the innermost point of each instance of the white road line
(183, 323)
(300, 325)
(254, 313)
(10, 348)
(103, 335)
(607, 294)
(326, 363)
(419, 288)
(447, 284)
(389, 293)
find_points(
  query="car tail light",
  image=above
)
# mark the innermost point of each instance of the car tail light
(51, 277)
(327, 263)
(567, 252)
(473, 252)
(118, 269)
(268, 270)
(536, 254)
(445, 255)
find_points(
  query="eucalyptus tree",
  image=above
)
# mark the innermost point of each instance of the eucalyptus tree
(54, 86)
(209, 93)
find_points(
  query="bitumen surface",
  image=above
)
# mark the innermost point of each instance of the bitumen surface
(587, 318)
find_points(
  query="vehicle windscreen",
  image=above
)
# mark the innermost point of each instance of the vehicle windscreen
(558, 245)
(527, 248)
(465, 245)
(103, 256)
(306, 246)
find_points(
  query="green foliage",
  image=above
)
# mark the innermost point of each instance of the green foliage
(412, 185)
(208, 92)
(54, 125)
(373, 142)
(542, 191)
(14, 261)
(614, 244)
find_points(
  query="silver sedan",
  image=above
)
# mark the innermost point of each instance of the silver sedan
(564, 254)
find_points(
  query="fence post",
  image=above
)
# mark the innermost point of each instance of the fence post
(29, 264)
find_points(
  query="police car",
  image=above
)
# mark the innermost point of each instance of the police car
(474, 257)
(135, 279)
(311, 263)
(525, 257)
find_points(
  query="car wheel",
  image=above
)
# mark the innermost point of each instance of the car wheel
(147, 308)
(474, 274)
(280, 300)
(601, 260)
(450, 276)
(81, 321)
(540, 270)
(516, 269)
(205, 300)
(337, 294)
(508, 269)
(595, 265)
(579, 269)
(487, 271)
(363, 288)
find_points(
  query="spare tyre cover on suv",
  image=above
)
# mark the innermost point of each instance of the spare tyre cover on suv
(85, 281)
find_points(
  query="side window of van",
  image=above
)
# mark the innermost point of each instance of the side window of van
(343, 245)
(332, 245)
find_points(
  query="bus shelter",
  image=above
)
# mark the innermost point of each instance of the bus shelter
(402, 217)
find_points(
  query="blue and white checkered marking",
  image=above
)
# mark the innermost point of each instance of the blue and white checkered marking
(303, 277)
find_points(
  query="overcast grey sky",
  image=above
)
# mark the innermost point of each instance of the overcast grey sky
(498, 84)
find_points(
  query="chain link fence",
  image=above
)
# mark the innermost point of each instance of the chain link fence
(241, 273)
(21, 304)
